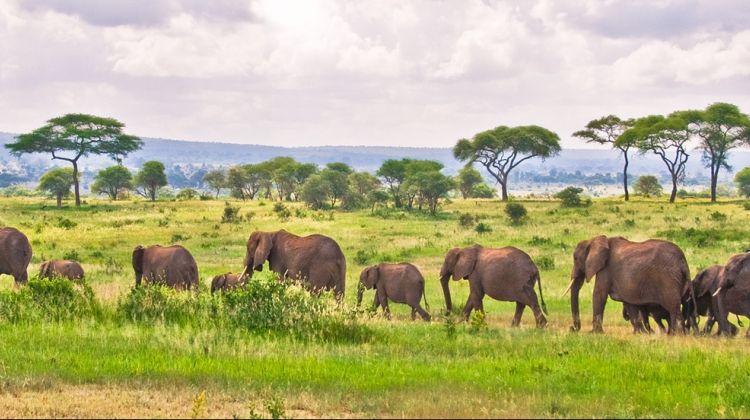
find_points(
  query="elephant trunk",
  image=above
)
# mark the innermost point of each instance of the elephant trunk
(575, 289)
(446, 292)
(360, 292)
(138, 277)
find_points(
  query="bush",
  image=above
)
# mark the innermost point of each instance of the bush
(746, 205)
(49, 300)
(647, 186)
(187, 194)
(545, 263)
(718, 216)
(482, 228)
(483, 191)
(282, 212)
(466, 220)
(516, 212)
(66, 223)
(571, 197)
(264, 305)
(231, 214)
(71, 255)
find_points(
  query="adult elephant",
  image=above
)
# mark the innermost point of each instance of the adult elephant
(169, 265)
(653, 272)
(316, 260)
(506, 274)
(15, 254)
(733, 292)
(61, 268)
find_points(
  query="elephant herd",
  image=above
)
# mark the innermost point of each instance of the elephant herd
(650, 278)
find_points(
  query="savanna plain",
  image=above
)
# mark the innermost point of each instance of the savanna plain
(103, 350)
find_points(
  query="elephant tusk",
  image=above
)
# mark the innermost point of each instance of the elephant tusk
(569, 286)
(243, 273)
(717, 291)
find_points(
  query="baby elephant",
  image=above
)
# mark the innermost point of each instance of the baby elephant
(401, 283)
(61, 268)
(227, 281)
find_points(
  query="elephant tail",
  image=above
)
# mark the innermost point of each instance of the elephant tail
(541, 296)
(424, 296)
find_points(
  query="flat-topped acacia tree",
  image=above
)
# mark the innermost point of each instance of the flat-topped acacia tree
(73, 136)
(502, 149)
(607, 130)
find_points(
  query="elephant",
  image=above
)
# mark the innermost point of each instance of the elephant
(638, 317)
(506, 274)
(226, 281)
(15, 254)
(171, 265)
(316, 260)
(61, 268)
(401, 283)
(733, 292)
(654, 272)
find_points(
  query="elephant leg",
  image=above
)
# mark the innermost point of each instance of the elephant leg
(384, 303)
(474, 303)
(676, 322)
(633, 314)
(519, 313)
(709, 324)
(599, 301)
(530, 300)
(425, 316)
(413, 313)
(375, 302)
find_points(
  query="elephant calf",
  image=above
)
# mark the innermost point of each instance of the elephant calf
(401, 283)
(227, 281)
(68, 269)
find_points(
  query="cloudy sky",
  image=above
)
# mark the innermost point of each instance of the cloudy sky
(381, 72)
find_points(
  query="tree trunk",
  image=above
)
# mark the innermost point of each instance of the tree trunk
(59, 200)
(504, 190)
(152, 192)
(714, 181)
(674, 189)
(625, 177)
(75, 183)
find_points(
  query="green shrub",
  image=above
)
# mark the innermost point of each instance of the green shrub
(66, 223)
(746, 205)
(231, 214)
(362, 257)
(187, 194)
(482, 228)
(282, 212)
(571, 197)
(466, 220)
(545, 263)
(71, 255)
(539, 241)
(516, 213)
(50, 300)
(718, 216)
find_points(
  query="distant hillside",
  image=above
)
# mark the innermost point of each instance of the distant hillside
(174, 153)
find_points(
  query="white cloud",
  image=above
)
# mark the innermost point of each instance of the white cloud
(417, 72)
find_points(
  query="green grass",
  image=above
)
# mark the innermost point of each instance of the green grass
(401, 368)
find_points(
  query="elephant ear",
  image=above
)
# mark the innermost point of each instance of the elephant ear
(467, 259)
(596, 258)
(138, 259)
(449, 264)
(706, 281)
(262, 251)
(370, 276)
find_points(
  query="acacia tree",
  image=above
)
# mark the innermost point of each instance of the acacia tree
(150, 178)
(468, 179)
(57, 181)
(667, 137)
(73, 136)
(721, 127)
(216, 180)
(393, 173)
(112, 180)
(606, 130)
(502, 149)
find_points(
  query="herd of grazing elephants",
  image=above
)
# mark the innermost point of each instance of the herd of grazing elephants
(650, 278)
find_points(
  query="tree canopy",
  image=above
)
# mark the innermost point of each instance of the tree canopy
(73, 136)
(502, 149)
(150, 178)
(647, 186)
(216, 180)
(668, 138)
(111, 181)
(607, 130)
(742, 179)
(57, 182)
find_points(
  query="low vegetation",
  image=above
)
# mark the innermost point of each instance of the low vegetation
(273, 348)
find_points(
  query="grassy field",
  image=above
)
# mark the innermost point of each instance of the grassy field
(103, 366)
